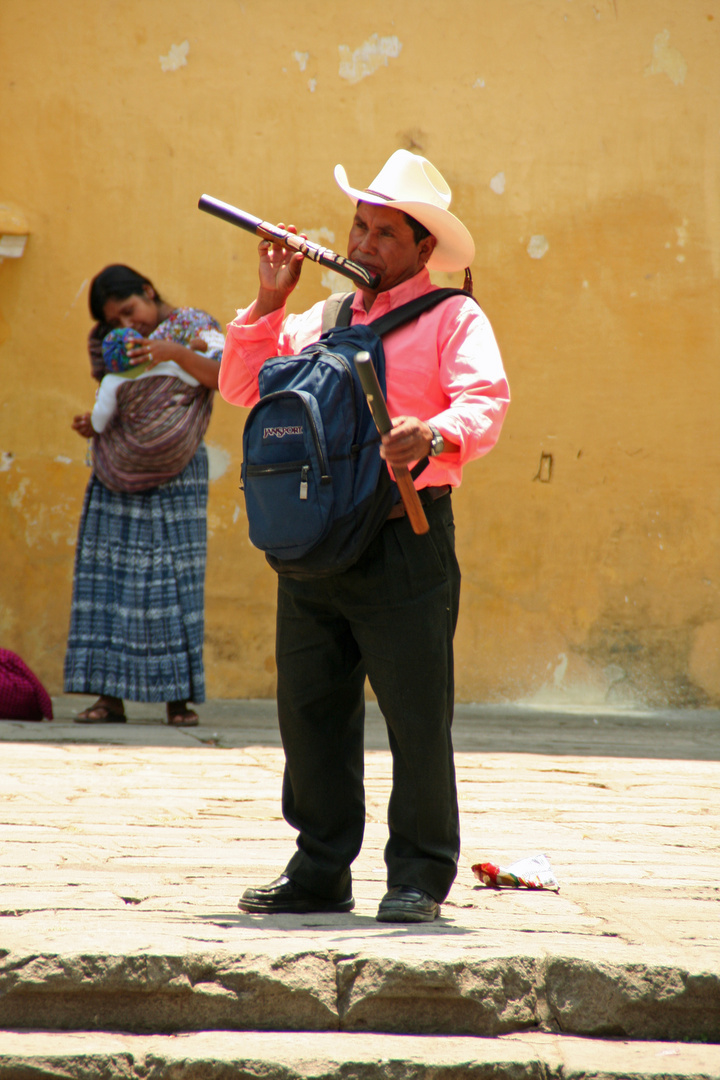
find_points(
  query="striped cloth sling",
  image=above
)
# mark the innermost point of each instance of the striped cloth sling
(160, 421)
(155, 433)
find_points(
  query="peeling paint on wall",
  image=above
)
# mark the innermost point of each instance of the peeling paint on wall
(537, 247)
(667, 60)
(16, 498)
(323, 236)
(301, 58)
(372, 54)
(39, 523)
(497, 184)
(176, 58)
(330, 280)
(682, 239)
(334, 282)
(560, 670)
(218, 461)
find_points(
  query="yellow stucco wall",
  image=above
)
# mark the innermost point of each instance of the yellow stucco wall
(582, 142)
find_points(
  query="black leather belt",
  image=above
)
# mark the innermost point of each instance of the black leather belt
(427, 495)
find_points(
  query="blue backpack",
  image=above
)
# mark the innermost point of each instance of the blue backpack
(316, 490)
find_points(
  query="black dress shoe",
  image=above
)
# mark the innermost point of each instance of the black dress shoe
(284, 895)
(405, 904)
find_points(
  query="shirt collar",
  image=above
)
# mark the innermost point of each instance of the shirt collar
(395, 297)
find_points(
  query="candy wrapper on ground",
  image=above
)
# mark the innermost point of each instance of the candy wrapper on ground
(532, 873)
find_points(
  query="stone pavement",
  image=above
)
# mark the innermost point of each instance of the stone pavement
(125, 848)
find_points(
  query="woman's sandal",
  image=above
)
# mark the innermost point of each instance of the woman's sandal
(102, 712)
(178, 715)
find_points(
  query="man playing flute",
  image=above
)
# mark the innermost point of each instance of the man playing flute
(392, 615)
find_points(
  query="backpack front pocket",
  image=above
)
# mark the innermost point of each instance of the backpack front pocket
(285, 474)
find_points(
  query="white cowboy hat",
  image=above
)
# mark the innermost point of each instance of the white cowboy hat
(409, 182)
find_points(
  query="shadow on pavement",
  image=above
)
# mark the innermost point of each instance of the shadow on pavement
(691, 735)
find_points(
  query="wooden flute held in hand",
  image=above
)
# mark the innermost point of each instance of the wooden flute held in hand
(316, 252)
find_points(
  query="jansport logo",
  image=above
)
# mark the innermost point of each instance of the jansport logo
(281, 432)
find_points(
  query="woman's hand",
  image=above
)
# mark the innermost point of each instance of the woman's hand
(152, 353)
(82, 425)
(158, 350)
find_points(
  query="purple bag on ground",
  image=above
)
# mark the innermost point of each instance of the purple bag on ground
(22, 695)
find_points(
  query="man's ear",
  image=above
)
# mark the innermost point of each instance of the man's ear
(426, 247)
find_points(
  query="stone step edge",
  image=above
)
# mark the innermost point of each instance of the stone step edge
(335, 1055)
(321, 990)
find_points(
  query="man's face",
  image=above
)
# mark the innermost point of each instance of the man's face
(382, 241)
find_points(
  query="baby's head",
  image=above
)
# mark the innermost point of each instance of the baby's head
(114, 348)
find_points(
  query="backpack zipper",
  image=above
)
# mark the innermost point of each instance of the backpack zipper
(283, 467)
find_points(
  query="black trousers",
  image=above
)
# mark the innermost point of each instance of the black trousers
(392, 616)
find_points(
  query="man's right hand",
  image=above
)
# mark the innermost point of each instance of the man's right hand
(279, 272)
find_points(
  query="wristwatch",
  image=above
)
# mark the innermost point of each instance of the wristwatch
(437, 443)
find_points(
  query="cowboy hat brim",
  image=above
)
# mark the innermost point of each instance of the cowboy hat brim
(455, 248)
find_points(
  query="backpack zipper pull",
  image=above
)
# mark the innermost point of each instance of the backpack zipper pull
(304, 482)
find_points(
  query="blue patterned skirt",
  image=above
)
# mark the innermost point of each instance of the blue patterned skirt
(137, 621)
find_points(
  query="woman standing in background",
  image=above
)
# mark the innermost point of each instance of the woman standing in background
(137, 621)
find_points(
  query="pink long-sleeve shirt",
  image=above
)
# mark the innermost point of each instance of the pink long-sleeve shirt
(444, 367)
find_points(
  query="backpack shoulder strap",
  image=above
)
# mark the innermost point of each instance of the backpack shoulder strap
(414, 308)
(336, 311)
